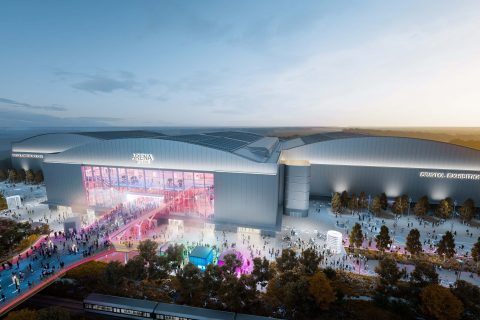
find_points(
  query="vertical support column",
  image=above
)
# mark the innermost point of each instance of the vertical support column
(297, 189)
(126, 257)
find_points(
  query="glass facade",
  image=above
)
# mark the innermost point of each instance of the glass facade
(180, 192)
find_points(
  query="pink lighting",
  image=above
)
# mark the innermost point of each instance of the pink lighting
(175, 192)
(247, 263)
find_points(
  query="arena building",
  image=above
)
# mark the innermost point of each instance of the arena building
(241, 178)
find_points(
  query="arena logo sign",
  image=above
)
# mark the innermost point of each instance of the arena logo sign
(143, 158)
(449, 175)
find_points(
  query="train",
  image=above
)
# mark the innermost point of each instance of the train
(145, 309)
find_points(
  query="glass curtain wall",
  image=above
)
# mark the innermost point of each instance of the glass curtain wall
(182, 192)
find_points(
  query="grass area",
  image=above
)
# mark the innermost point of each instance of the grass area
(467, 266)
(354, 285)
(23, 245)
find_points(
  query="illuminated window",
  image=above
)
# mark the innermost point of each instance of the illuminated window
(179, 192)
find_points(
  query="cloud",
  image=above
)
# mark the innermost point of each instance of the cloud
(94, 84)
(22, 119)
(18, 104)
(105, 82)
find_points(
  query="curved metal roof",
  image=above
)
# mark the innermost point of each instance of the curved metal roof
(108, 135)
(167, 154)
(51, 143)
(386, 152)
(224, 140)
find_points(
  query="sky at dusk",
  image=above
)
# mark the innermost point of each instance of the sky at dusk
(240, 63)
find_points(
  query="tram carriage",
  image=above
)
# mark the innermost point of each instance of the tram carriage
(145, 309)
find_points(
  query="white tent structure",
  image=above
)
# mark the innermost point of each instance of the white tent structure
(334, 241)
(13, 202)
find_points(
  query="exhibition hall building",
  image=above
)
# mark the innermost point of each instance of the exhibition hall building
(241, 179)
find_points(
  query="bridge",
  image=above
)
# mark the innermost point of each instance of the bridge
(33, 281)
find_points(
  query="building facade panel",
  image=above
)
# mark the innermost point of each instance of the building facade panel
(246, 199)
(327, 179)
(64, 185)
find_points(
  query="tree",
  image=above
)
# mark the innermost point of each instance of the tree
(232, 263)
(383, 239)
(336, 203)
(29, 176)
(135, 268)
(22, 314)
(237, 293)
(53, 313)
(3, 202)
(400, 205)
(175, 253)
(21, 175)
(388, 271)
(424, 274)
(114, 273)
(469, 294)
(421, 207)
(148, 249)
(440, 303)
(383, 201)
(287, 261)
(321, 291)
(344, 198)
(356, 236)
(212, 281)
(309, 260)
(413, 244)
(476, 251)
(376, 206)
(190, 284)
(3, 175)
(12, 175)
(90, 274)
(362, 201)
(467, 211)
(288, 292)
(262, 272)
(38, 177)
(444, 209)
(353, 205)
(446, 246)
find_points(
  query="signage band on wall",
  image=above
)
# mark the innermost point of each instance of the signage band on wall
(449, 175)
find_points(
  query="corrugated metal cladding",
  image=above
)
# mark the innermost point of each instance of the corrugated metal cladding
(326, 179)
(387, 152)
(64, 184)
(297, 190)
(167, 154)
(246, 199)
